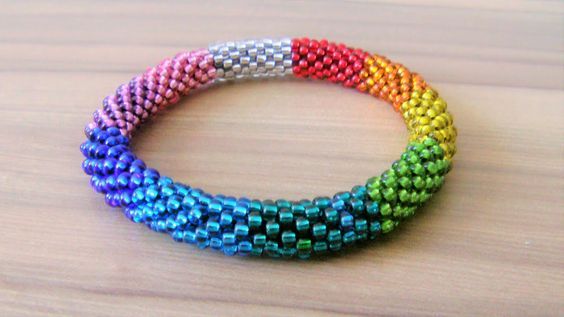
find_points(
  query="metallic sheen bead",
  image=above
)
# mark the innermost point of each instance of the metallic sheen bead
(252, 58)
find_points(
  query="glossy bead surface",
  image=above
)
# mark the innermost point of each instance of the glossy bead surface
(275, 228)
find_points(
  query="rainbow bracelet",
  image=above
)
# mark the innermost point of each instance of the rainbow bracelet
(279, 228)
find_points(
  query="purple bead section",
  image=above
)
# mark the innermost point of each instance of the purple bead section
(148, 93)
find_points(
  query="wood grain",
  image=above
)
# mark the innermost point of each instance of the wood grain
(490, 243)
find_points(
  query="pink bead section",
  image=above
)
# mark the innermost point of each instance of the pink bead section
(148, 93)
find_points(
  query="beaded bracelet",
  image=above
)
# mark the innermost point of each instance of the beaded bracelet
(279, 228)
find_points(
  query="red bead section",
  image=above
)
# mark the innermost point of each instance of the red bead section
(327, 60)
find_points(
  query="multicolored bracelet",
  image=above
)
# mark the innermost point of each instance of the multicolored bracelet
(279, 228)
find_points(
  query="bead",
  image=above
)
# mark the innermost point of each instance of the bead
(360, 225)
(374, 229)
(195, 216)
(359, 192)
(255, 220)
(338, 204)
(287, 252)
(385, 209)
(151, 193)
(302, 225)
(189, 236)
(241, 231)
(240, 211)
(319, 231)
(255, 205)
(252, 58)
(347, 220)
(288, 238)
(283, 204)
(387, 226)
(272, 229)
(271, 249)
(349, 237)
(320, 247)
(188, 202)
(356, 205)
(216, 243)
(256, 251)
(334, 239)
(322, 202)
(226, 219)
(177, 235)
(244, 248)
(312, 213)
(230, 250)
(259, 239)
(207, 199)
(228, 238)
(269, 210)
(298, 209)
(344, 196)
(181, 219)
(285, 218)
(201, 234)
(304, 248)
(229, 203)
(173, 203)
(214, 206)
(361, 237)
(331, 216)
(212, 227)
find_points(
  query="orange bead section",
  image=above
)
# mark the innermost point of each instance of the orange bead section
(388, 80)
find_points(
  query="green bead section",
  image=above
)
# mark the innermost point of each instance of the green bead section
(409, 183)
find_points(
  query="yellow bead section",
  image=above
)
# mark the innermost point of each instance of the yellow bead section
(426, 116)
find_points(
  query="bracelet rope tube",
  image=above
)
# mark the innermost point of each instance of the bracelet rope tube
(277, 228)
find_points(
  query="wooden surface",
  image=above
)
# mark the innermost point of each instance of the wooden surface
(490, 243)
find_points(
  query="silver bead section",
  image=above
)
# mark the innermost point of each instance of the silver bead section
(252, 58)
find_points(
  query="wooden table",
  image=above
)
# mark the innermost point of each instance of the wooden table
(490, 243)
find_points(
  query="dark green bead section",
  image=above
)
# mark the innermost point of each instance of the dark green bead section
(408, 184)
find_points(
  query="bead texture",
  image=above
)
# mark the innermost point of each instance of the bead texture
(252, 58)
(275, 228)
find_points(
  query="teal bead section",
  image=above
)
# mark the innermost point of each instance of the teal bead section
(279, 228)
(408, 184)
